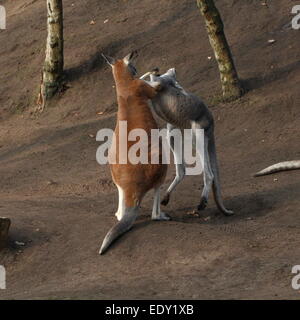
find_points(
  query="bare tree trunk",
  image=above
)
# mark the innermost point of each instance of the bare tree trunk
(54, 62)
(231, 85)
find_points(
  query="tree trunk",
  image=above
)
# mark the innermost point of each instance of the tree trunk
(231, 85)
(54, 62)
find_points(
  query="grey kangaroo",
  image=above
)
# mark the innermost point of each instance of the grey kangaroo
(184, 110)
(281, 166)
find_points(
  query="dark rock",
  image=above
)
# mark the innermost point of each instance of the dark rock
(4, 227)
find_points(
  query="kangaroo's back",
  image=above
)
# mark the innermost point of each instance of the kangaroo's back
(133, 178)
(134, 111)
(182, 110)
(178, 107)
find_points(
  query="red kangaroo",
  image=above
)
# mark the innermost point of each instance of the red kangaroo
(133, 180)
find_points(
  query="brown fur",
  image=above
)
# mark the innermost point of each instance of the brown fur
(133, 95)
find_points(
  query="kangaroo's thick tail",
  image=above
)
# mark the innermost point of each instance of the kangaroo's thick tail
(216, 182)
(281, 166)
(120, 228)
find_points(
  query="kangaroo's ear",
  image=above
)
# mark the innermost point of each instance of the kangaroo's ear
(172, 73)
(111, 61)
(130, 57)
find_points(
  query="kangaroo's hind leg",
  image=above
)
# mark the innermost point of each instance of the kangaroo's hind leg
(157, 214)
(211, 172)
(202, 142)
(129, 211)
(179, 165)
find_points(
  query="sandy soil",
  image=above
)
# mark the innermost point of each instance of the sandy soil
(61, 202)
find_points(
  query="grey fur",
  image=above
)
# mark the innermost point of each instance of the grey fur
(176, 106)
(181, 109)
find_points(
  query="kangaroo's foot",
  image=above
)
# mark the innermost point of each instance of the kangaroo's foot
(161, 217)
(118, 214)
(227, 212)
(166, 199)
(157, 214)
(203, 204)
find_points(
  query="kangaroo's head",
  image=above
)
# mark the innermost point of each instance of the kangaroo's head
(122, 68)
(170, 75)
(166, 79)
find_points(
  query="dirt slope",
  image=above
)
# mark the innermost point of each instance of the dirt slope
(61, 202)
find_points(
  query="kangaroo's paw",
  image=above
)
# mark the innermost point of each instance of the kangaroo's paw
(162, 217)
(203, 204)
(165, 200)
